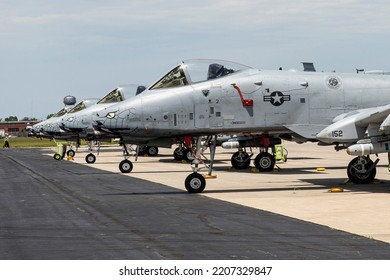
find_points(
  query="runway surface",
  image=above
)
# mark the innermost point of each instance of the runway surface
(67, 210)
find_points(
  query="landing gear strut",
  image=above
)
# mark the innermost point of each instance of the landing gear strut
(91, 158)
(126, 166)
(362, 170)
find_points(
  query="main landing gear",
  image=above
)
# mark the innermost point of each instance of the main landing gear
(263, 161)
(182, 153)
(362, 170)
(241, 159)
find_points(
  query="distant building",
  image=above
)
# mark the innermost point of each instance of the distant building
(16, 128)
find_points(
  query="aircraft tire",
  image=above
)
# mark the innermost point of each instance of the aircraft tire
(71, 153)
(240, 160)
(181, 154)
(152, 151)
(125, 166)
(90, 158)
(178, 154)
(57, 156)
(142, 150)
(188, 155)
(265, 162)
(360, 178)
(195, 183)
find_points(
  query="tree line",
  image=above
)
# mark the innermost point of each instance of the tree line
(15, 119)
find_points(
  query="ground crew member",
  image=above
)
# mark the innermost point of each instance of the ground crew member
(6, 143)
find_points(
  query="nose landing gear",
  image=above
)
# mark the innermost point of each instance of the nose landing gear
(195, 182)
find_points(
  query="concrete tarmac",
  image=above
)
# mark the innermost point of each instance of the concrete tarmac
(296, 189)
(71, 210)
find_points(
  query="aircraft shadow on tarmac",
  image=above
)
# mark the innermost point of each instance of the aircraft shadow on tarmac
(315, 183)
(252, 169)
(350, 189)
(383, 186)
(170, 160)
(173, 192)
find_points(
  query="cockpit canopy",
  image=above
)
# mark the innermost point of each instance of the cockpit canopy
(60, 113)
(83, 104)
(121, 93)
(196, 71)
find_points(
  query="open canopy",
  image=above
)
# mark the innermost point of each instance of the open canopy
(198, 70)
(122, 93)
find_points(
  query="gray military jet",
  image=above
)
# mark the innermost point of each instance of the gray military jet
(54, 124)
(49, 128)
(79, 120)
(204, 98)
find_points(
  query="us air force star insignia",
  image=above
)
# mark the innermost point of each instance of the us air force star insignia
(277, 98)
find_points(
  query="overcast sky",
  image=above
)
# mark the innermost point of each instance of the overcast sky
(50, 49)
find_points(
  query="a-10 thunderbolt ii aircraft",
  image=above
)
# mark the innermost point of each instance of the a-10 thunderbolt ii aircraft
(201, 98)
(51, 128)
(78, 120)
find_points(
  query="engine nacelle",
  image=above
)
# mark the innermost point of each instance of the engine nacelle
(368, 149)
(342, 131)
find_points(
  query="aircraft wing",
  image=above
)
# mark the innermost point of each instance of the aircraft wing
(357, 125)
(305, 131)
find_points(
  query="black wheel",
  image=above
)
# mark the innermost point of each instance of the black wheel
(181, 153)
(240, 160)
(57, 156)
(195, 183)
(142, 150)
(187, 155)
(71, 153)
(125, 166)
(90, 158)
(357, 170)
(178, 153)
(152, 151)
(265, 162)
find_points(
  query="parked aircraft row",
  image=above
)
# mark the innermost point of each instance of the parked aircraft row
(198, 100)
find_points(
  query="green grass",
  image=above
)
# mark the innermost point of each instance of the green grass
(28, 142)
